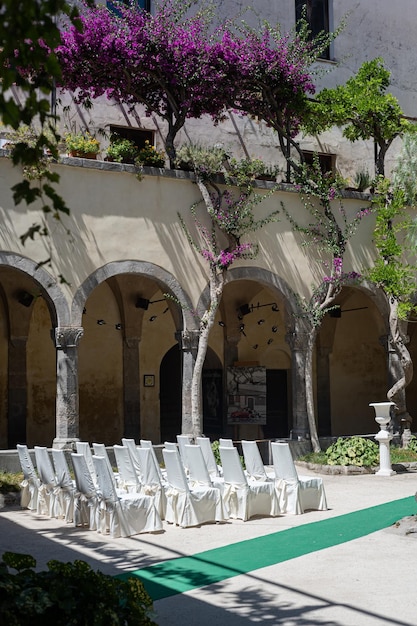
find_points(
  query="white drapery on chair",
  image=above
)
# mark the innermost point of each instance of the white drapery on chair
(65, 486)
(130, 444)
(48, 491)
(31, 483)
(197, 468)
(86, 499)
(147, 443)
(128, 477)
(255, 467)
(123, 515)
(83, 447)
(243, 498)
(151, 480)
(226, 443)
(302, 492)
(208, 454)
(170, 445)
(184, 440)
(185, 506)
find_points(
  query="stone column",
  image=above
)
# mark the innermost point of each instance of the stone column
(17, 391)
(67, 393)
(297, 340)
(188, 342)
(131, 388)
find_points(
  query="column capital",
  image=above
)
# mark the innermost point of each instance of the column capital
(188, 339)
(67, 337)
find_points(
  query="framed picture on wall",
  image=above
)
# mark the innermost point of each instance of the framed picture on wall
(149, 380)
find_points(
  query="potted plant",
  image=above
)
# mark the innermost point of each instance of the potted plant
(82, 145)
(206, 160)
(122, 150)
(150, 156)
(245, 170)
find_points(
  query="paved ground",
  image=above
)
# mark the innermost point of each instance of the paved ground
(366, 582)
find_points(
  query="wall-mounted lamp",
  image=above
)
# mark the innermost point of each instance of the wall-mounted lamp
(25, 298)
(142, 303)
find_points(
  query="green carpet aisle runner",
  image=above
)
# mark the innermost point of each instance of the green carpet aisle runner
(185, 573)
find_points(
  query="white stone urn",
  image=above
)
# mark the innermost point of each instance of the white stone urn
(383, 417)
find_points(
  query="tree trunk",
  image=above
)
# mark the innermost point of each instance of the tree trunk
(309, 390)
(398, 339)
(207, 322)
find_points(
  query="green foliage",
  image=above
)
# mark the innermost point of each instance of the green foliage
(122, 150)
(391, 271)
(353, 451)
(362, 180)
(10, 483)
(68, 594)
(412, 445)
(362, 107)
(242, 172)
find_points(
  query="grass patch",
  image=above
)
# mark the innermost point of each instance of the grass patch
(10, 483)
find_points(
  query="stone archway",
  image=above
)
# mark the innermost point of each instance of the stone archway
(33, 307)
(135, 295)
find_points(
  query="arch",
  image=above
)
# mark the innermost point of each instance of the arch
(165, 280)
(52, 293)
(266, 279)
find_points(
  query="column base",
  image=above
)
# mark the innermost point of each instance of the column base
(64, 444)
(385, 472)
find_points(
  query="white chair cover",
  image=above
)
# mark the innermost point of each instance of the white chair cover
(184, 440)
(245, 499)
(189, 507)
(146, 443)
(83, 447)
(48, 502)
(226, 443)
(65, 485)
(30, 483)
(128, 478)
(255, 468)
(198, 472)
(302, 492)
(86, 498)
(208, 454)
(130, 444)
(123, 515)
(170, 445)
(151, 481)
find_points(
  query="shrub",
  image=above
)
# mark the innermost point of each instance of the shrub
(412, 444)
(202, 159)
(10, 483)
(81, 143)
(68, 594)
(353, 451)
(150, 156)
(215, 447)
(245, 171)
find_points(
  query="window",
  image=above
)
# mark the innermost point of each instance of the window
(112, 5)
(327, 161)
(317, 15)
(138, 136)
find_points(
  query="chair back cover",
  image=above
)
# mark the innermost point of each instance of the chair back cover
(198, 472)
(232, 468)
(128, 477)
(150, 474)
(30, 484)
(44, 465)
(130, 444)
(147, 443)
(62, 472)
(83, 447)
(175, 471)
(283, 462)
(208, 454)
(184, 440)
(86, 496)
(253, 460)
(170, 445)
(65, 489)
(100, 450)
(105, 480)
(226, 443)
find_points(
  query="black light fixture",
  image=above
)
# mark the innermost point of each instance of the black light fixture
(245, 309)
(118, 326)
(25, 298)
(260, 322)
(274, 329)
(222, 324)
(269, 341)
(101, 322)
(336, 311)
(142, 303)
(152, 318)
